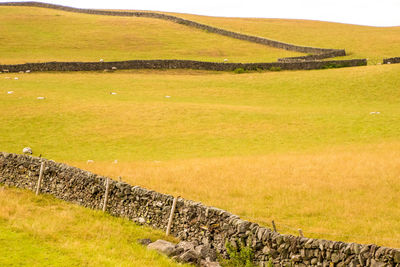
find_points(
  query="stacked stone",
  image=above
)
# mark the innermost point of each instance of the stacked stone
(186, 252)
(192, 221)
(392, 60)
(179, 64)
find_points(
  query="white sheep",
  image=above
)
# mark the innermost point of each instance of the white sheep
(225, 60)
(89, 161)
(101, 60)
(27, 150)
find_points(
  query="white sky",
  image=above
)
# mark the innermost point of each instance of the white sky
(363, 12)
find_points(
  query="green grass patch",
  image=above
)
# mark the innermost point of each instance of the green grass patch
(44, 231)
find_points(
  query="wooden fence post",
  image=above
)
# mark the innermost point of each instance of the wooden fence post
(301, 233)
(40, 178)
(273, 226)
(171, 216)
(106, 195)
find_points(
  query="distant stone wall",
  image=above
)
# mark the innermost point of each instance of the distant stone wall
(193, 221)
(250, 38)
(178, 64)
(309, 57)
(392, 60)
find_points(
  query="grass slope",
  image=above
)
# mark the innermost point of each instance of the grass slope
(374, 43)
(44, 231)
(300, 147)
(38, 35)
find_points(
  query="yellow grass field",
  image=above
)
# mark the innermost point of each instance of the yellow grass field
(316, 150)
(43, 231)
(41, 35)
(348, 193)
(373, 43)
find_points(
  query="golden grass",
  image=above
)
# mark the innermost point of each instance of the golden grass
(40, 35)
(298, 147)
(43, 231)
(374, 43)
(348, 193)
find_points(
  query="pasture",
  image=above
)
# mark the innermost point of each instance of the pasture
(44, 231)
(303, 148)
(317, 150)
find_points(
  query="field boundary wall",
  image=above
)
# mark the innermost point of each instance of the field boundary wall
(178, 64)
(193, 221)
(392, 60)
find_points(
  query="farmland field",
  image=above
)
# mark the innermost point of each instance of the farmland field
(44, 231)
(41, 35)
(317, 150)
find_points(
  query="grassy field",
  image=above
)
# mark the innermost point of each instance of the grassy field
(299, 147)
(316, 150)
(374, 43)
(38, 35)
(43, 231)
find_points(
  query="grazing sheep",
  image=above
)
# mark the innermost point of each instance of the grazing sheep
(15, 78)
(113, 93)
(27, 150)
(28, 71)
(40, 97)
(114, 68)
(89, 161)
(225, 60)
(10, 92)
(101, 60)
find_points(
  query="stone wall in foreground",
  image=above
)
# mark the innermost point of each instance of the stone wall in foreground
(179, 64)
(193, 221)
(240, 36)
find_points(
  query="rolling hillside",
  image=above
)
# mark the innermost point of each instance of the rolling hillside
(44, 231)
(316, 150)
(374, 43)
(32, 34)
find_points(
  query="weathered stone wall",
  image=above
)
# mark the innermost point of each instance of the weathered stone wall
(193, 221)
(178, 64)
(250, 38)
(391, 60)
(309, 57)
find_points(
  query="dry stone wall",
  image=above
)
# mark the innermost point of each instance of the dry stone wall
(392, 60)
(178, 64)
(250, 38)
(193, 221)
